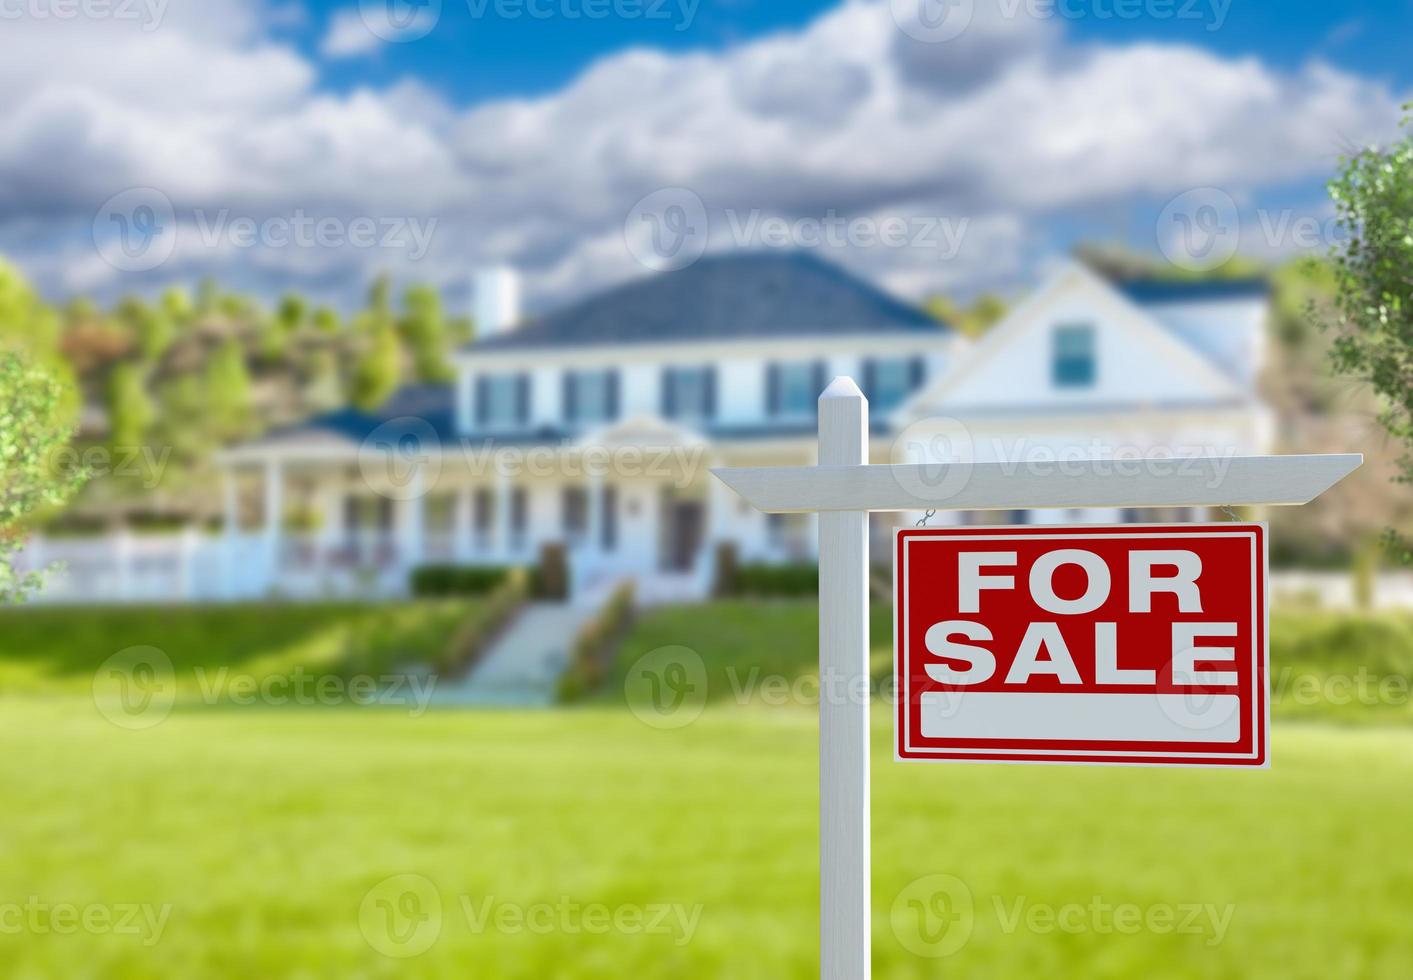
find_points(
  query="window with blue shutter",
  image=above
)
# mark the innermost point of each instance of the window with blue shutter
(890, 380)
(499, 400)
(689, 393)
(795, 388)
(522, 399)
(591, 396)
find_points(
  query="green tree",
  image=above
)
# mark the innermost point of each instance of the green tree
(326, 320)
(130, 410)
(292, 313)
(228, 392)
(378, 371)
(177, 306)
(323, 386)
(972, 321)
(424, 331)
(152, 330)
(34, 426)
(1373, 322)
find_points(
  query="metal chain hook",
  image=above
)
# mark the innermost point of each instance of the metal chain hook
(931, 513)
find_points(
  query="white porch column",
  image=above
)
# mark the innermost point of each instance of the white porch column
(122, 561)
(502, 516)
(461, 526)
(274, 516)
(331, 508)
(720, 501)
(413, 529)
(230, 501)
(594, 530)
(230, 529)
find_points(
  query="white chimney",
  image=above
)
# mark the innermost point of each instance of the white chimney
(497, 300)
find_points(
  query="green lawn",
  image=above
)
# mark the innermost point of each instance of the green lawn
(265, 830)
(59, 650)
(1347, 668)
(276, 842)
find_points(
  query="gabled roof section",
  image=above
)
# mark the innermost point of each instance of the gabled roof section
(758, 295)
(1102, 300)
(643, 431)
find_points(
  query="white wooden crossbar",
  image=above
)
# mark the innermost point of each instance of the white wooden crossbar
(1163, 482)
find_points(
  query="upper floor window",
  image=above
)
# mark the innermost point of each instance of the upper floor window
(591, 396)
(793, 389)
(689, 393)
(888, 381)
(1072, 357)
(502, 400)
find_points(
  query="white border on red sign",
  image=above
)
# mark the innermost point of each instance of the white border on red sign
(1144, 757)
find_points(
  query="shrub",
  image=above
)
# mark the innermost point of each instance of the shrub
(595, 645)
(431, 581)
(728, 563)
(551, 577)
(776, 580)
(474, 636)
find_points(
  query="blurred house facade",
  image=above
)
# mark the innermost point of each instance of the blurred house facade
(595, 427)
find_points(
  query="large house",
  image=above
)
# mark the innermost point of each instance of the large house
(595, 426)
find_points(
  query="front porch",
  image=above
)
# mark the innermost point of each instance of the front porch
(351, 520)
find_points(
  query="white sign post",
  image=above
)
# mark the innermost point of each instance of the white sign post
(844, 488)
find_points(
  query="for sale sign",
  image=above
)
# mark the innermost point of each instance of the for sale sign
(1137, 644)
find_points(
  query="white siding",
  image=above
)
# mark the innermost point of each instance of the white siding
(1135, 362)
(741, 389)
(1231, 333)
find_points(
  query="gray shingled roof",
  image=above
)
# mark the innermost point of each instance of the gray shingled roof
(723, 297)
(1146, 291)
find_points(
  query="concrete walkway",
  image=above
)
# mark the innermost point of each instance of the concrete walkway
(523, 666)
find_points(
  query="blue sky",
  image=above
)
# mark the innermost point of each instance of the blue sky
(471, 59)
(303, 144)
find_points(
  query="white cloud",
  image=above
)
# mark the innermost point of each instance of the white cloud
(1005, 127)
(349, 36)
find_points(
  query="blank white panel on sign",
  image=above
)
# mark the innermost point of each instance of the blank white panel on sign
(1066, 717)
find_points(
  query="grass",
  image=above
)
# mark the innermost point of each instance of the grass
(265, 830)
(58, 650)
(1340, 667)
(267, 835)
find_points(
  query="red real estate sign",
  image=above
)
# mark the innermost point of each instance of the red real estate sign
(1130, 644)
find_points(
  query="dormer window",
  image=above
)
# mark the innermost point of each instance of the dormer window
(591, 396)
(1072, 356)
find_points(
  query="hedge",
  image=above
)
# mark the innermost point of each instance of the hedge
(596, 644)
(776, 580)
(431, 581)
